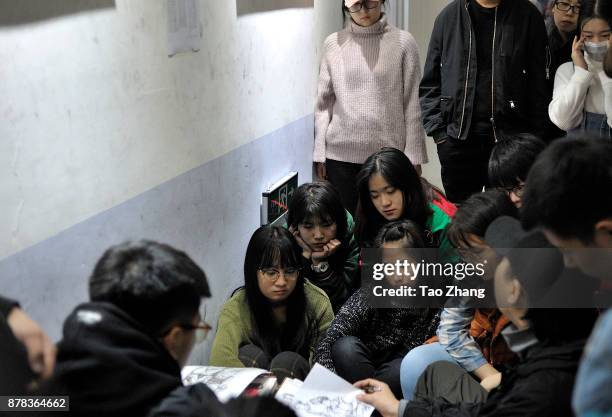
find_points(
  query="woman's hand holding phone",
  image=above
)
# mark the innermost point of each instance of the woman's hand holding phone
(578, 53)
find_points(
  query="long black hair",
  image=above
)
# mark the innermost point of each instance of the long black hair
(395, 167)
(269, 247)
(318, 200)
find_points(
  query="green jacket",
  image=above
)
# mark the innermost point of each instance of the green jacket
(437, 224)
(235, 328)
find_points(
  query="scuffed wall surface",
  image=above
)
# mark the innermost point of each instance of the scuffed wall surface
(210, 212)
(94, 112)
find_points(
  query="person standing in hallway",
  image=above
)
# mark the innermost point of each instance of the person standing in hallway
(582, 98)
(486, 73)
(367, 97)
(562, 27)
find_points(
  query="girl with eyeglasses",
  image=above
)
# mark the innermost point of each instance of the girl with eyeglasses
(324, 231)
(510, 161)
(582, 97)
(276, 319)
(367, 97)
(562, 26)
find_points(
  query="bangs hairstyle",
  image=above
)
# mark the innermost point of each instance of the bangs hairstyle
(476, 214)
(395, 167)
(407, 231)
(318, 200)
(512, 157)
(271, 247)
(275, 247)
(595, 16)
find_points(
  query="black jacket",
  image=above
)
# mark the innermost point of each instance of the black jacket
(540, 386)
(521, 88)
(109, 365)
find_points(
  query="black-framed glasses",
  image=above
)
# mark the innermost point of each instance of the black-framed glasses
(517, 190)
(202, 329)
(273, 274)
(368, 4)
(565, 7)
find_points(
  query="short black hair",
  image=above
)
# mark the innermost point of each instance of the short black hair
(476, 214)
(154, 283)
(512, 157)
(568, 189)
(318, 200)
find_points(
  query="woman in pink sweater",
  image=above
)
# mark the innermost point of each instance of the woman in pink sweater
(367, 97)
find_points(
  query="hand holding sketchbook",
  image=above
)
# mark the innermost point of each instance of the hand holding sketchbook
(323, 394)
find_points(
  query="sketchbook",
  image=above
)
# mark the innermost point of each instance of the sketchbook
(226, 383)
(322, 394)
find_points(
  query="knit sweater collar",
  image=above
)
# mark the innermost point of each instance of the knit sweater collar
(373, 29)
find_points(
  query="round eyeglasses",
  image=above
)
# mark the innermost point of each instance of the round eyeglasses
(273, 274)
(368, 4)
(566, 7)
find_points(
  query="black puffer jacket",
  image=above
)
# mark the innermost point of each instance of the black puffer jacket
(540, 386)
(521, 87)
(109, 365)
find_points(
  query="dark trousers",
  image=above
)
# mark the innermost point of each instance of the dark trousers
(354, 362)
(343, 176)
(284, 364)
(449, 381)
(465, 165)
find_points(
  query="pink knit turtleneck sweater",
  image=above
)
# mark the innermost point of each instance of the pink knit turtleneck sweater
(368, 95)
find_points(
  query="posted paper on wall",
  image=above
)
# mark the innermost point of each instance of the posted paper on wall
(184, 29)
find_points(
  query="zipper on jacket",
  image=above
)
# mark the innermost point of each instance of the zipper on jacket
(467, 74)
(493, 77)
(548, 61)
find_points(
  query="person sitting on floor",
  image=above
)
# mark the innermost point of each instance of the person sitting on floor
(510, 161)
(324, 231)
(121, 353)
(548, 342)
(467, 336)
(364, 341)
(276, 319)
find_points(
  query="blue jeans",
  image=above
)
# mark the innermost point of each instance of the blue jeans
(594, 124)
(415, 362)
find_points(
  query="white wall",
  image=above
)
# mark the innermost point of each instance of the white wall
(94, 112)
(422, 14)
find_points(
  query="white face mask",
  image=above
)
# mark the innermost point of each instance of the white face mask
(596, 50)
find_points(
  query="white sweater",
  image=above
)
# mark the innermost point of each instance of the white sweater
(578, 90)
(368, 95)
